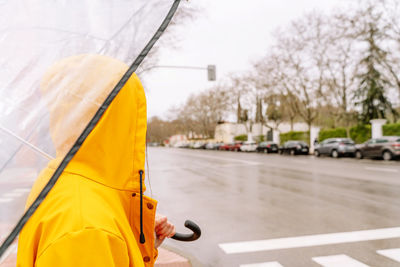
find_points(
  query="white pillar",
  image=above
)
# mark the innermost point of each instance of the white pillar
(275, 136)
(376, 127)
(314, 133)
(250, 136)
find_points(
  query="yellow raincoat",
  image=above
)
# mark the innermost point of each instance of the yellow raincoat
(91, 216)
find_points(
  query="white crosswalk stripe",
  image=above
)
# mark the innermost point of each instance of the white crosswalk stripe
(14, 194)
(5, 200)
(263, 264)
(22, 190)
(393, 253)
(310, 240)
(338, 261)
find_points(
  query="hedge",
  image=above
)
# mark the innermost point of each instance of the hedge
(260, 138)
(332, 133)
(242, 137)
(360, 133)
(301, 136)
(391, 129)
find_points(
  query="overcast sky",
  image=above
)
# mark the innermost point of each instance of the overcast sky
(228, 33)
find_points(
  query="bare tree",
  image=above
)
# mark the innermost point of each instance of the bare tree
(276, 95)
(296, 77)
(390, 10)
(244, 95)
(170, 38)
(202, 112)
(341, 65)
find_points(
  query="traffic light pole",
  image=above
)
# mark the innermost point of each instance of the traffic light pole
(211, 69)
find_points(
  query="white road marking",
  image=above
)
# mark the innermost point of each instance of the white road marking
(14, 194)
(23, 190)
(235, 165)
(5, 200)
(338, 261)
(310, 240)
(381, 169)
(263, 264)
(393, 253)
(219, 158)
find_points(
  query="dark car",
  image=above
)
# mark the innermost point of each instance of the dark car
(335, 147)
(231, 146)
(294, 148)
(268, 147)
(386, 147)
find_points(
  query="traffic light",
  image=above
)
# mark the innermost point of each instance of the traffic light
(211, 73)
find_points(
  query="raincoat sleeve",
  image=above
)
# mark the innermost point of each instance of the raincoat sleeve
(88, 247)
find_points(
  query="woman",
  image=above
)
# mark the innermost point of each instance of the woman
(92, 216)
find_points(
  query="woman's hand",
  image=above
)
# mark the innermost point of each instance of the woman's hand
(163, 228)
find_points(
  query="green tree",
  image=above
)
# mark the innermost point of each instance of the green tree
(373, 83)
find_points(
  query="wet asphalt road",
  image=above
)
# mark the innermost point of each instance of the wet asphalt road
(248, 196)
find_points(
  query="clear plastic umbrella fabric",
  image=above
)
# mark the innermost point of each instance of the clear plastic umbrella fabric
(44, 47)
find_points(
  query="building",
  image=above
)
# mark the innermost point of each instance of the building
(226, 132)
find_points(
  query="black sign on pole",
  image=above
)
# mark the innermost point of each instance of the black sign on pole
(211, 73)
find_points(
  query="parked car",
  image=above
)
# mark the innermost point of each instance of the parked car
(268, 147)
(217, 145)
(210, 146)
(335, 147)
(199, 145)
(213, 146)
(231, 146)
(249, 146)
(154, 144)
(386, 147)
(181, 144)
(294, 148)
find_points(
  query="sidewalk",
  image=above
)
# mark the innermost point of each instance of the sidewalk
(166, 258)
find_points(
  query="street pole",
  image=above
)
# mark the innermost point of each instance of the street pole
(211, 69)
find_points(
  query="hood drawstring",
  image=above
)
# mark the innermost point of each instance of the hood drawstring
(142, 239)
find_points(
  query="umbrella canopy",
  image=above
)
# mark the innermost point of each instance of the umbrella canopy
(46, 46)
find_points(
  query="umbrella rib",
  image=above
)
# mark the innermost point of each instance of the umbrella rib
(34, 148)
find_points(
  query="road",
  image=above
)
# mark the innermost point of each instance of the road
(280, 210)
(265, 209)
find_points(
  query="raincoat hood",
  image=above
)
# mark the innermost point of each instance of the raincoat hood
(114, 152)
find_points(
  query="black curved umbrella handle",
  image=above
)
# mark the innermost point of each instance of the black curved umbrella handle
(189, 237)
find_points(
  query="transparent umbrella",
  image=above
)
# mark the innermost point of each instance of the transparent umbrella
(36, 35)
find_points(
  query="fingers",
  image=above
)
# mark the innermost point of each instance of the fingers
(160, 217)
(160, 222)
(165, 230)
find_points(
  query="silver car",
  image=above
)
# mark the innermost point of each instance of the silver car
(335, 147)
